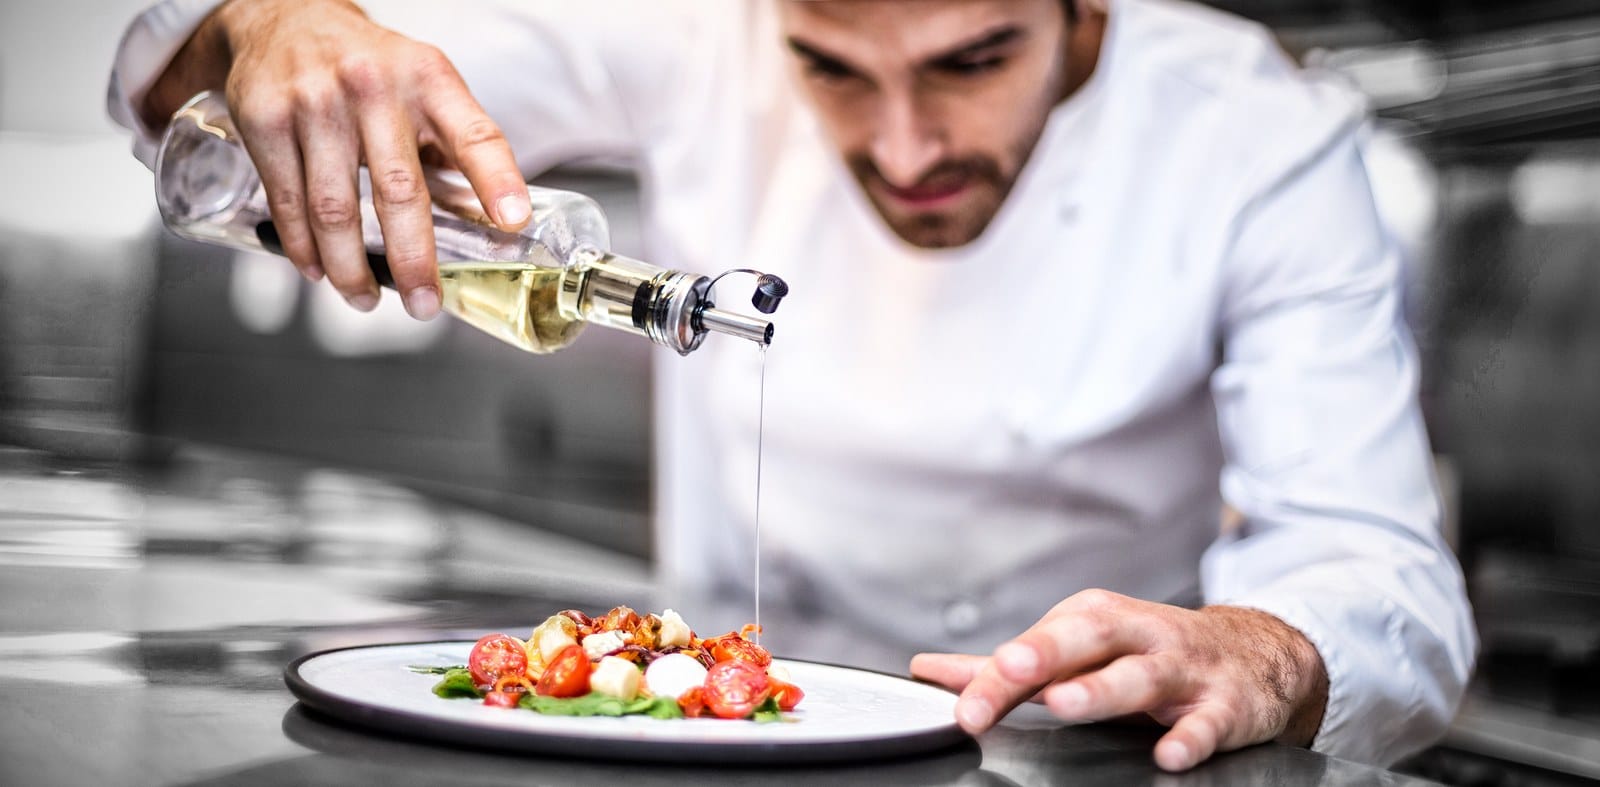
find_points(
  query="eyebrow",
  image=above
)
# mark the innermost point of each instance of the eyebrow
(999, 36)
(989, 39)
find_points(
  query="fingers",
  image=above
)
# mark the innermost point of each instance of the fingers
(988, 698)
(477, 146)
(400, 197)
(1084, 632)
(269, 138)
(1130, 684)
(1079, 635)
(328, 143)
(1193, 739)
(950, 670)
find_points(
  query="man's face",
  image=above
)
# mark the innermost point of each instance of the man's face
(934, 104)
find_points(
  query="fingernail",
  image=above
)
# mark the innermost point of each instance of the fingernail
(513, 209)
(422, 303)
(366, 301)
(975, 714)
(1019, 661)
(312, 272)
(1071, 700)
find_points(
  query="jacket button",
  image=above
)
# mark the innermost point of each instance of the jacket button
(961, 617)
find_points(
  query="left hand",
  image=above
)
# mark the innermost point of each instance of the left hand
(1220, 677)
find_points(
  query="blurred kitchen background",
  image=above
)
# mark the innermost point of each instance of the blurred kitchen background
(149, 377)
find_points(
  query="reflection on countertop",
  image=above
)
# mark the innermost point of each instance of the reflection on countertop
(149, 614)
(223, 539)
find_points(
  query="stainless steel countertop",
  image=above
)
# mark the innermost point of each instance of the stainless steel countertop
(148, 614)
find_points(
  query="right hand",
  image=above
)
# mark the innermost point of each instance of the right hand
(316, 89)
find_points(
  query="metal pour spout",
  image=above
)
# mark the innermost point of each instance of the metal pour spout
(735, 324)
(769, 291)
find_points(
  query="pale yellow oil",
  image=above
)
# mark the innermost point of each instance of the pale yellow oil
(516, 302)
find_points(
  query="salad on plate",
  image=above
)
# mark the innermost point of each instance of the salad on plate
(624, 664)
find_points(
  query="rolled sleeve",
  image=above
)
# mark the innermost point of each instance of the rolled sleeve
(1328, 460)
(147, 46)
(564, 80)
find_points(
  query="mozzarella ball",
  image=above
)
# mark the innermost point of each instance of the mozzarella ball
(673, 674)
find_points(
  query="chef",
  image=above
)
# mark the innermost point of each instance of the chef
(1092, 387)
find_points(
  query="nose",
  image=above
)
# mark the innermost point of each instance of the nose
(906, 143)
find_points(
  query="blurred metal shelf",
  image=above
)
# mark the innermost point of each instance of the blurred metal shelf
(1525, 735)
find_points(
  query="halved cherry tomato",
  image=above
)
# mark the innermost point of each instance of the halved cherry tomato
(733, 689)
(788, 695)
(730, 647)
(502, 699)
(567, 675)
(496, 656)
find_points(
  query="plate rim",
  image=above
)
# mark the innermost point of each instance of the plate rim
(429, 728)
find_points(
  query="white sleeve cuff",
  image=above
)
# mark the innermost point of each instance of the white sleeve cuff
(1393, 684)
(148, 45)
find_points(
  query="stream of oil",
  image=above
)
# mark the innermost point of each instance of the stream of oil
(761, 414)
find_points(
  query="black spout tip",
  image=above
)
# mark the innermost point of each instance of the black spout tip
(769, 291)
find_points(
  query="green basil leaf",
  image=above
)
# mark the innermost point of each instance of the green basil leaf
(664, 708)
(457, 682)
(597, 704)
(767, 711)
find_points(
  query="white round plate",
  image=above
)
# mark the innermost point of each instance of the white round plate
(846, 714)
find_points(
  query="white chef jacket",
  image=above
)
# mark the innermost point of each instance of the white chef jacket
(1188, 299)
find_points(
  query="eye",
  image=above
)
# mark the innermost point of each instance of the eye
(829, 71)
(975, 66)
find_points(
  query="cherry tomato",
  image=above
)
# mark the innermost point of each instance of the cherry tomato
(733, 689)
(502, 699)
(567, 675)
(788, 695)
(731, 648)
(496, 656)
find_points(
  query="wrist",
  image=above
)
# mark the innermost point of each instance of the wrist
(223, 36)
(1295, 673)
(200, 64)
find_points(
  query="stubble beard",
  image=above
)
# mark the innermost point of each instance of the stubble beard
(986, 188)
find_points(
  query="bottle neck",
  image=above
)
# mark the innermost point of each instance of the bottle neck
(633, 296)
(670, 308)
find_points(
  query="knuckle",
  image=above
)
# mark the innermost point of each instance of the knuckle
(479, 133)
(1099, 627)
(362, 76)
(399, 185)
(286, 204)
(332, 213)
(1096, 598)
(1151, 673)
(432, 64)
(314, 95)
(263, 114)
